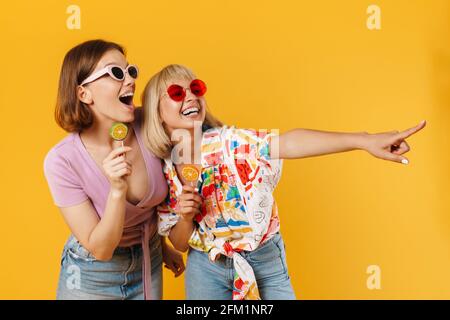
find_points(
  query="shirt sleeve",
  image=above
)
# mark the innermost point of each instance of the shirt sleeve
(252, 155)
(63, 182)
(246, 143)
(167, 218)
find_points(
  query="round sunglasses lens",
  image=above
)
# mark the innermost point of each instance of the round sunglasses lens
(176, 92)
(198, 87)
(117, 73)
(133, 72)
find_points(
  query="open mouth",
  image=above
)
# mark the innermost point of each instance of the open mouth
(191, 111)
(127, 98)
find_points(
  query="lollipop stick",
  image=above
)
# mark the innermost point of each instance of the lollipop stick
(122, 147)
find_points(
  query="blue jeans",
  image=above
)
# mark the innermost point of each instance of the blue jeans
(82, 277)
(206, 280)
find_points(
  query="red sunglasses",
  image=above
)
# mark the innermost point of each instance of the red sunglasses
(178, 93)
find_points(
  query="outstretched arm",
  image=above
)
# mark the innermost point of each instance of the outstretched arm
(303, 143)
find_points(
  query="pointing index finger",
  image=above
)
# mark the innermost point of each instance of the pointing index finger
(409, 132)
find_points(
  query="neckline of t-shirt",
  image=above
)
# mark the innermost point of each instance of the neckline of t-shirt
(104, 179)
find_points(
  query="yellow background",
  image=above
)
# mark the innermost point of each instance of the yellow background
(268, 64)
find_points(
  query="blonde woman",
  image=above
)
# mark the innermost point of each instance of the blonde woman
(231, 224)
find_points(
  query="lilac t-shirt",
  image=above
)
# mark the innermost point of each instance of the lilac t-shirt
(73, 177)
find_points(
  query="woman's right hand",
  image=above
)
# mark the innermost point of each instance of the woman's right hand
(189, 203)
(116, 168)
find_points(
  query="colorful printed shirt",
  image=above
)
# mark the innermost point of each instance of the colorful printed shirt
(238, 213)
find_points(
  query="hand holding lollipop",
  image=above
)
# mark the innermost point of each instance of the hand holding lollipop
(115, 166)
(189, 202)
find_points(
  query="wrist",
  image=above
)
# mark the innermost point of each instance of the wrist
(361, 140)
(118, 192)
(186, 220)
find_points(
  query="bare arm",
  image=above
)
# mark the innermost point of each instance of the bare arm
(99, 236)
(189, 203)
(303, 143)
(102, 236)
(180, 234)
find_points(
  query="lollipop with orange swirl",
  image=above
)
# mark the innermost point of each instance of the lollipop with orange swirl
(190, 174)
(118, 131)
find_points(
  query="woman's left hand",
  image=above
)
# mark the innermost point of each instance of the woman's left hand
(173, 259)
(391, 145)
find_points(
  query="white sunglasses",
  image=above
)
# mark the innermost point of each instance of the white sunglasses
(116, 72)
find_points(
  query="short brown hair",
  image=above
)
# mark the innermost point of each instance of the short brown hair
(71, 114)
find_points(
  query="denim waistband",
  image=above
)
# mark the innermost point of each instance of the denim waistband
(148, 243)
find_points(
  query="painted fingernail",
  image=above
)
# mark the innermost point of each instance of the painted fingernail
(405, 161)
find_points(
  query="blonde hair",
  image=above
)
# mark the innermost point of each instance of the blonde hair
(155, 136)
